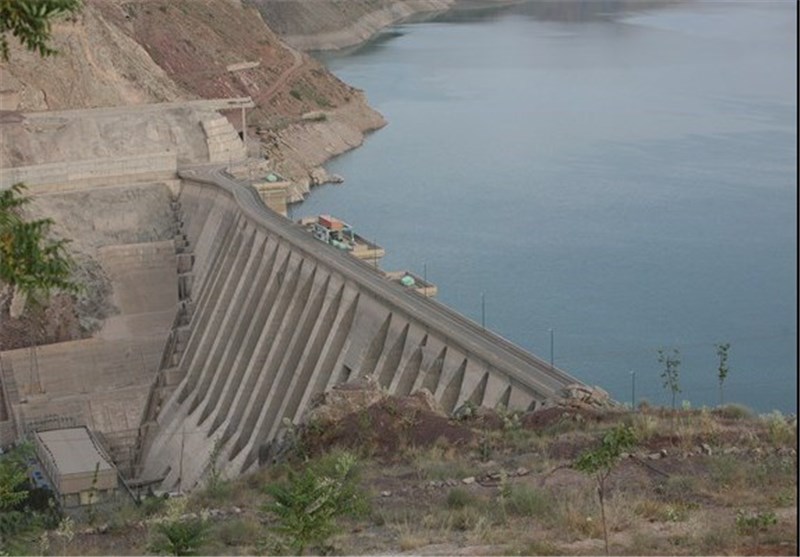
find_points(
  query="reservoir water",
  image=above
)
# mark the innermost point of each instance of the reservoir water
(614, 177)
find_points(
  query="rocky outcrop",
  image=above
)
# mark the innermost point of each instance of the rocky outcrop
(579, 395)
(299, 150)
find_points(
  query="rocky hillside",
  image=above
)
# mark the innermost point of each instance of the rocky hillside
(331, 24)
(121, 53)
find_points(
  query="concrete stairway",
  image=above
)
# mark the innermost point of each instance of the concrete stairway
(224, 143)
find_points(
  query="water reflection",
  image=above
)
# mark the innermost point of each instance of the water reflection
(577, 11)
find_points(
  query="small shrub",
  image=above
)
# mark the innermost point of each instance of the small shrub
(575, 510)
(678, 489)
(644, 426)
(307, 504)
(439, 463)
(676, 513)
(152, 505)
(526, 501)
(459, 498)
(774, 471)
(179, 537)
(734, 412)
(716, 541)
(727, 471)
(465, 519)
(237, 532)
(649, 509)
(749, 523)
(296, 94)
(781, 431)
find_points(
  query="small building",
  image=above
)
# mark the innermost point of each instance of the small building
(274, 192)
(339, 234)
(414, 282)
(79, 469)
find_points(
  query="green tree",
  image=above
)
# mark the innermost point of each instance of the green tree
(30, 22)
(31, 263)
(599, 463)
(307, 505)
(13, 482)
(180, 537)
(722, 368)
(13, 492)
(178, 532)
(671, 373)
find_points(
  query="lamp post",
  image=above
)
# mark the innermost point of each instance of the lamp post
(483, 310)
(633, 390)
(551, 347)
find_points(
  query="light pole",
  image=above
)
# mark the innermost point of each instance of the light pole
(551, 347)
(633, 390)
(483, 310)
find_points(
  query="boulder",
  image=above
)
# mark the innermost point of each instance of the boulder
(342, 400)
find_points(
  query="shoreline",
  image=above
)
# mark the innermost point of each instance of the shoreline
(302, 149)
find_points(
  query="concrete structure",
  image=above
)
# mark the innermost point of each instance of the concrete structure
(77, 466)
(224, 143)
(231, 319)
(275, 195)
(127, 226)
(277, 317)
(66, 176)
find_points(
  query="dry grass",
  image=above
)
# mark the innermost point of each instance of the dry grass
(683, 504)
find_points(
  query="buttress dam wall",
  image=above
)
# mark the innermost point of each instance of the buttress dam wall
(271, 317)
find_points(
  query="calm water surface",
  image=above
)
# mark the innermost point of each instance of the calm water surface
(624, 176)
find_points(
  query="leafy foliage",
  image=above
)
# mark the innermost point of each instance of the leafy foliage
(13, 482)
(29, 260)
(307, 505)
(30, 22)
(601, 461)
(178, 533)
(752, 522)
(13, 492)
(180, 537)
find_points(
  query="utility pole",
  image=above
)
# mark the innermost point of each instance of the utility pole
(551, 347)
(633, 390)
(483, 310)
(180, 465)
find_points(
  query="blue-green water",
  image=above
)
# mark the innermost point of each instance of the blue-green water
(625, 177)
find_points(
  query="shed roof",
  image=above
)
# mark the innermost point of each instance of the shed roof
(73, 450)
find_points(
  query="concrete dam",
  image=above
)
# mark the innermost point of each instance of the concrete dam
(225, 319)
(271, 317)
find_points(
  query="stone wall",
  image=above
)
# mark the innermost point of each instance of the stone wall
(62, 176)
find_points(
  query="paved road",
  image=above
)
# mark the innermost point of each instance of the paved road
(519, 365)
